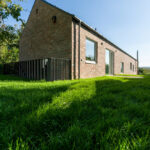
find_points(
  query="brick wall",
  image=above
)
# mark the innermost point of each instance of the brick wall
(94, 70)
(42, 38)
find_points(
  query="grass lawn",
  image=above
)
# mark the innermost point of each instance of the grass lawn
(130, 75)
(106, 113)
(147, 71)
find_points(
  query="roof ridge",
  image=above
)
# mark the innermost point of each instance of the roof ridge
(45, 1)
(90, 28)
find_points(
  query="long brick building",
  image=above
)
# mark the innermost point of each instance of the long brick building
(52, 32)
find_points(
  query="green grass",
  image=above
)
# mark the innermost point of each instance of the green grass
(106, 113)
(129, 75)
(146, 71)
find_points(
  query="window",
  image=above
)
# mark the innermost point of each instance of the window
(130, 66)
(37, 11)
(54, 19)
(122, 67)
(109, 60)
(90, 50)
(133, 68)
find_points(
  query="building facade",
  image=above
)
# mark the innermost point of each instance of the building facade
(52, 32)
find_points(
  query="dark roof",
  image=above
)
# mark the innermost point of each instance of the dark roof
(90, 29)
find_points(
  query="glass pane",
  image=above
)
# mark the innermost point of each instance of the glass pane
(107, 62)
(122, 67)
(130, 66)
(90, 50)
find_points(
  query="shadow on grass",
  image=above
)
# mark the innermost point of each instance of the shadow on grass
(97, 114)
(11, 78)
(16, 106)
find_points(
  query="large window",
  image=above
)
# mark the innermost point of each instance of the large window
(109, 60)
(130, 66)
(133, 68)
(122, 67)
(90, 50)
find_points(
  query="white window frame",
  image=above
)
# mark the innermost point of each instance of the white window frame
(95, 52)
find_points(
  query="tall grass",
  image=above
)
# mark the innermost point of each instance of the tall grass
(101, 113)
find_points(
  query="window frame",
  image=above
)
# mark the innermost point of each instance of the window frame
(131, 66)
(95, 51)
(122, 69)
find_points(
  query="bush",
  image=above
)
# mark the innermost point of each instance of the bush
(141, 71)
(8, 55)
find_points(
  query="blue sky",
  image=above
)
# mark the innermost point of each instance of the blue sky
(125, 22)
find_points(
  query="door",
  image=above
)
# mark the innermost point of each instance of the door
(109, 62)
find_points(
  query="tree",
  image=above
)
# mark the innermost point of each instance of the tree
(140, 71)
(9, 35)
(7, 8)
(7, 56)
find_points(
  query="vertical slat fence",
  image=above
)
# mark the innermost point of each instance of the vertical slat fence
(50, 69)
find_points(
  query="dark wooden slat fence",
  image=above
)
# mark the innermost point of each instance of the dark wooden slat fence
(50, 69)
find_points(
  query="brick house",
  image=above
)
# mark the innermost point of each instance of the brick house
(52, 32)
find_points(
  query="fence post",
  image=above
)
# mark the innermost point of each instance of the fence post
(34, 69)
(54, 68)
(49, 69)
(40, 69)
(37, 69)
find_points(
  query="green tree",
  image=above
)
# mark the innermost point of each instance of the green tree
(7, 8)
(7, 56)
(9, 35)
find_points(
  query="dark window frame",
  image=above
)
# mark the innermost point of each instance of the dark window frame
(130, 66)
(122, 67)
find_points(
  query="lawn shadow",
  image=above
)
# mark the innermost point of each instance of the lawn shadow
(4, 78)
(105, 119)
(17, 105)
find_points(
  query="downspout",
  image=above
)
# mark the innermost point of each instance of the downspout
(79, 50)
(74, 50)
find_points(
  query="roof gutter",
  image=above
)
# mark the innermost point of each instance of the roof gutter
(100, 36)
(90, 29)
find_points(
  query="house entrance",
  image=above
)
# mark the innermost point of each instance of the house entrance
(109, 62)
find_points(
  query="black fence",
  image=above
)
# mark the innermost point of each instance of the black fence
(50, 69)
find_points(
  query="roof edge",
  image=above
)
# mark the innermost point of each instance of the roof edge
(57, 7)
(102, 37)
(89, 28)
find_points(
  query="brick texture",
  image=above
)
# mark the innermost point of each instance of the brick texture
(42, 38)
(94, 70)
